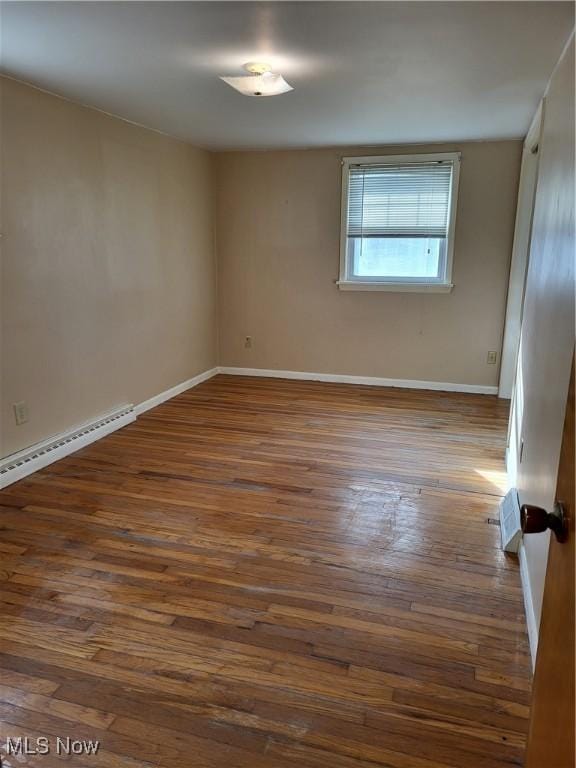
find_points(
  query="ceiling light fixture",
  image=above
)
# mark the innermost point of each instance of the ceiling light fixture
(259, 82)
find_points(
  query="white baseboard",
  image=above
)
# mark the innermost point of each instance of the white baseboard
(26, 462)
(168, 394)
(372, 381)
(528, 604)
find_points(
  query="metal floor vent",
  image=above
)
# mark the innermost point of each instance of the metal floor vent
(19, 460)
(510, 530)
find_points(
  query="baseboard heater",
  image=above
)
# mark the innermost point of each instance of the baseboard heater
(24, 463)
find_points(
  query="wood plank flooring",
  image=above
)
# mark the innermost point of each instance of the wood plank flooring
(263, 573)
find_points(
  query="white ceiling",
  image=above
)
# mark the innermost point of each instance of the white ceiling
(363, 72)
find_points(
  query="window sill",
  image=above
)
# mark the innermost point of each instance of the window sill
(357, 285)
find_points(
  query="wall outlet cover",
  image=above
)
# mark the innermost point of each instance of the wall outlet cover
(20, 412)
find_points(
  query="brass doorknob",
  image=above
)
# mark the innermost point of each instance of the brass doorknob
(537, 520)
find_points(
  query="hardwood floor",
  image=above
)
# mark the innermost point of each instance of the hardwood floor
(265, 573)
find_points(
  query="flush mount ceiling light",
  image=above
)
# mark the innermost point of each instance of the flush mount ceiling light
(260, 82)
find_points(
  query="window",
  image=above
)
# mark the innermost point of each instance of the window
(398, 217)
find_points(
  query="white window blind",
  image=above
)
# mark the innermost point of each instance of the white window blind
(398, 222)
(404, 200)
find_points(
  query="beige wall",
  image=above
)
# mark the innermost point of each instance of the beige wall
(109, 292)
(278, 227)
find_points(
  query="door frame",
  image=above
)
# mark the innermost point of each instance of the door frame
(520, 254)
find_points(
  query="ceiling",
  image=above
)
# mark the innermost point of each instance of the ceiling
(363, 72)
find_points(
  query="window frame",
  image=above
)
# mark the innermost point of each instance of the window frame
(347, 281)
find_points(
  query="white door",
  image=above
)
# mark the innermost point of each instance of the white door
(547, 338)
(520, 251)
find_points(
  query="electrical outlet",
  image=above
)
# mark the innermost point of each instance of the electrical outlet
(491, 358)
(20, 412)
(248, 342)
